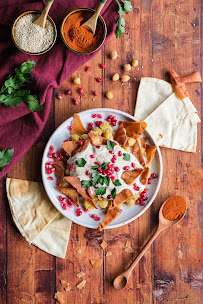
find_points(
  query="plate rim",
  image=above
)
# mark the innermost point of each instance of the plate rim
(44, 157)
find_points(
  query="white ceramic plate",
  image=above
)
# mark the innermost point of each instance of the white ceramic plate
(129, 214)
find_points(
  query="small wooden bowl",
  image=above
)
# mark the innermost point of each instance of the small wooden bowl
(100, 18)
(31, 12)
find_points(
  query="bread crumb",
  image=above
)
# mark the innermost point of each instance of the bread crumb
(108, 253)
(127, 244)
(66, 284)
(79, 251)
(103, 245)
(59, 297)
(96, 263)
(128, 250)
(80, 274)
(81, 285)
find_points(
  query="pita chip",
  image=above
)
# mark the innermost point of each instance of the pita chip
(150, 151)
(179, 89)
(120, 136)
(144, 176)
(120, 198)
(134, 129)
(77, 126)
(73, 147)
(130, 175)
(109, 217)
(85, 192)
(195, 77)
(70, 193)
(59, 171)
(137, 152)
(59, 297)
(143, 141)
(36, 218)
(97, 140)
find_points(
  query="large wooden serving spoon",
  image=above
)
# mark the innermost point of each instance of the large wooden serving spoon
(41, 21)
(121, 281)
(91, 23)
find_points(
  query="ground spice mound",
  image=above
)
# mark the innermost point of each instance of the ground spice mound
(78, 37)
(174, 208)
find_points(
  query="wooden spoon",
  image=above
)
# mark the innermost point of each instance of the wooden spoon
(41, 21)
(121, 281)
(91, 23)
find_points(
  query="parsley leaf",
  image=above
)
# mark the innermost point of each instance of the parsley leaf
(101, 191)
(106, 180)
(126, 6)
(104, 165)
(110, 145)
(5, 157)
(126, 156)
(86, 184)
(113, 193)
(117, 183)
(81, 162)
(95, 178)
(14, 92)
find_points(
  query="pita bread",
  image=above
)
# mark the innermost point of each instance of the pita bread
(144, 176)
(59, 171)
(137, 152)
(130, 175)
(70, 193)
(134, 129)
(151, 93)
(109, 217)
(73, 147)
(120, 136)
(121, 198)
(77, 126)
(36, 218)
(150, 151)
(97, 140)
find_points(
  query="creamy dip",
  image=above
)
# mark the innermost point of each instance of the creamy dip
(103, 155)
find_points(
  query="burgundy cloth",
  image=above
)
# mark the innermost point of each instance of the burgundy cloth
(19, 129)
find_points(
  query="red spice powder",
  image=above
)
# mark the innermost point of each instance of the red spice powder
(174, 208)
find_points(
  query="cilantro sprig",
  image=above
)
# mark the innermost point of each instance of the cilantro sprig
(14, 91)
(103, 166)
(113, 193)
(81, 162)
(124, 6)
(5, 158)
(110, 145)
(86, 184)
(101, 191)
(126, 156)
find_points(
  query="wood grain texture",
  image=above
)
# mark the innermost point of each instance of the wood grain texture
(161, 34)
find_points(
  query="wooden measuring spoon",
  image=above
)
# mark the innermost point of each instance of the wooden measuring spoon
(121, 281)
(91, 23)
(41, 21)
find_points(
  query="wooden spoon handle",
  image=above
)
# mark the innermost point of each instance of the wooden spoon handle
(99, 8)
(47, 7)
(144, 249)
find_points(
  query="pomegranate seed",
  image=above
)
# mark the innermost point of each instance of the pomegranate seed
(136, 188)
(51, 148)
(50, 163)
(120, 153)
(50, 155)
(64, 200)
(75, 101)
(116, 169)
(115, 157)
(90, 128)
(113, 160)
(96, 186)
(144, 191)
(92, 156)
(114, 118)
(46, 166)
(113, 123)
(126, 168)
(50, 178)
(149, 181)
(144, 198)
(142, 203)
(98, 123)
(80, 143)
(102, 65)
(108, 119)
(70, 128)
(64, 206)
(99, 115)
(69, 201)
(57, 184)
(142, 194)
(110, 116)
(86, 210)
(97, 163)
(49, 171)
(79, 213)
(103, 172)
(98, 80)
(88, 69)
(52, 169)
(133, 165)
(153, 175)
(71, 206)
(93, 215)
(137, 202)
(94, 115)
(81, 90)
(87, 172)
(109, 174)
(111, 152)
(95, 93)
(57, 159)
(68, 92)
(66, 140)
(97, 218)
(71, 167)
(79, 209)
(90, 124)
(59, 96)
(113, 178)
(60, 198)
(99, 169)
(98, 147)
(109, 196)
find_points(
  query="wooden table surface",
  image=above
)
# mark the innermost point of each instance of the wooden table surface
(161, 34)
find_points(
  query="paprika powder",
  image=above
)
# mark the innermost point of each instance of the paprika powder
(80, 38)
(174, 208)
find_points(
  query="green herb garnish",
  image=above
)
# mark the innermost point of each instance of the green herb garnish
(101, 191)
(81, 162)
(5, 157)
(86, 184)
(14, 91)
(110, 145)
(126, 6)
(117, 183)
(103, 166)
(106, 180)
(126, 156)
(113, 193)
(95, 178)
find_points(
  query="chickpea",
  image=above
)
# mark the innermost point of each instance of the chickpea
(115, 77)
(109, 95)
(75, 137)
(134, 62)
(125, 78)
(127, 67)
(113, 55)
(76, 80)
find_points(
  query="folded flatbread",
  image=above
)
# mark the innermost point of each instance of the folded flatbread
(37, 219)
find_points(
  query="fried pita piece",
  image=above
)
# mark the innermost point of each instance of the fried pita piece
(70, 193)
(109, 217)
(85, 192)
(144, 176)
(150, 151)
(120, 198)
(120, 136)
(143, 141)
(137, 152)
(59, 297)
(79, 148)
(179, 89)
(131, 175)
(195, 77)
(59, 171)
(97, 140)
(134, 129)
(73, 147)
(77, 126)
